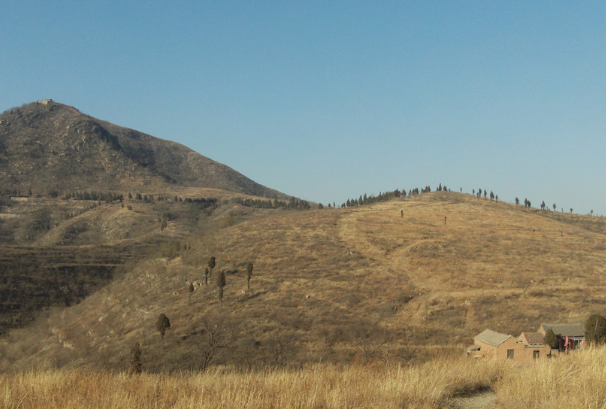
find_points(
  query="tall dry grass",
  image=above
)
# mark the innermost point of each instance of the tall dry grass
(577, 380)
(426, 386)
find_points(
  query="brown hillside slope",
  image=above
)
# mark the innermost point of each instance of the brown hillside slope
(338, 285)
(47, 146)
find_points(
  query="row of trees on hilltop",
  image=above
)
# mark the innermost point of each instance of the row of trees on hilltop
(383, 197)
(292, 204)
(485, 192)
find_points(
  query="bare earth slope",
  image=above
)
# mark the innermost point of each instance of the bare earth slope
(338, 285)
(48, 146)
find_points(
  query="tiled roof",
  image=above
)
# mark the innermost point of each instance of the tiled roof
(562, 330)
(533, 338)
(491, 337)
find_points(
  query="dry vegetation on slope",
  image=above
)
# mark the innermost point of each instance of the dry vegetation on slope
(341, 285)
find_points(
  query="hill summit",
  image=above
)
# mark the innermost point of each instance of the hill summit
(46, 146)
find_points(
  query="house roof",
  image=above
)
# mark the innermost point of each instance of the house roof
(532, 338)
(563, 330)
(491, 337)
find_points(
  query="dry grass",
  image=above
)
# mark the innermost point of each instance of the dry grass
(427, 386)
(578, 380)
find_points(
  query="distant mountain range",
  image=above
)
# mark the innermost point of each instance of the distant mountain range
(46, 146)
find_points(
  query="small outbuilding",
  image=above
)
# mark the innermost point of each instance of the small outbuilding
(523, 350)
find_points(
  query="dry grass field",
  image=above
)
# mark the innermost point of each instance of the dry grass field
(428, 386)
(359, 285)
(577, 380)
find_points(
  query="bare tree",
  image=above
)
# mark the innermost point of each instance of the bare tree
(210, 340)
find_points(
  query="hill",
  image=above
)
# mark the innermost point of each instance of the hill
(337, 285)
(80, 197)
(46, 146)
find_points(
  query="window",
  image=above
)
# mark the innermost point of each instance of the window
(536, 354)
(510, 354)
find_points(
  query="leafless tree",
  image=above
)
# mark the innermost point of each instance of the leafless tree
(213, 338)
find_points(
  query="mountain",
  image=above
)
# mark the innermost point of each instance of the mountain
(81, 199)
(46, 146)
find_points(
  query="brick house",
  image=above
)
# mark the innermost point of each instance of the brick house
(523, 350)
(570, 336)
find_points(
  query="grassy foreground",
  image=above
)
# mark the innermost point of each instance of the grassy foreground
(579, 380)
(426, 386)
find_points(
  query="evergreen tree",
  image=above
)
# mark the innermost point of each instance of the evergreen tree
(161, 325)
(249, 273)
(211, 264)
(191, 291)
(220, 284)
(551, 339)
(595, 330)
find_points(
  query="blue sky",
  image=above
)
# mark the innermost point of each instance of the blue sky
(330, 100)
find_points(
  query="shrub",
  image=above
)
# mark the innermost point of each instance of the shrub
(551, 339)
(221, 283)
(162, 324)
(135, 362)
(249, 273)
(595, 329)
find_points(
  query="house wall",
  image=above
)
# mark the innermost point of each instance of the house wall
(522, 354)
(528, 355)
(511, 343)
(485, 349)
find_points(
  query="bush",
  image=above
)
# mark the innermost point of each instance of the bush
(551, 339)
(595, 330)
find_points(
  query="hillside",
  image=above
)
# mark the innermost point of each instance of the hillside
(337, 285)
(46, 146)
(79, 197)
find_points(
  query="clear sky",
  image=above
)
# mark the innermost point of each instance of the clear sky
(328, 100)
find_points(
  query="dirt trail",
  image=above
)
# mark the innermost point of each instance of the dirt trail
(482, 400)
